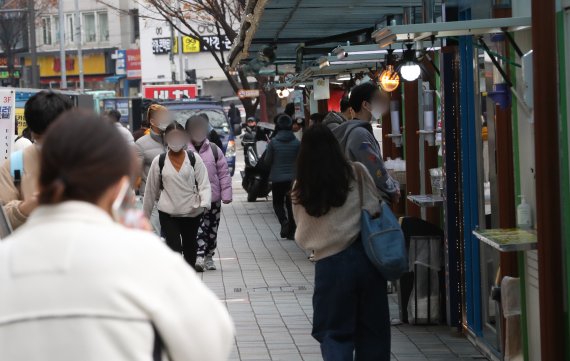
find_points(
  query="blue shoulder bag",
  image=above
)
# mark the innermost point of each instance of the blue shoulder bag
(382, 237)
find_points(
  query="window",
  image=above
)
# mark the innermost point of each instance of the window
(89, 30)
(103, 25)
(135, 25)
(69, 29)
(55, 22)
(46, 30)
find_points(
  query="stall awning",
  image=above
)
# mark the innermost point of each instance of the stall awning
(114, 78)
(287, 24)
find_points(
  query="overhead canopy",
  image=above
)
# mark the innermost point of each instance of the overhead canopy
(287, 24)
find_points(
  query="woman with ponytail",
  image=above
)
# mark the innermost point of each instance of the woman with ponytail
(78, 285)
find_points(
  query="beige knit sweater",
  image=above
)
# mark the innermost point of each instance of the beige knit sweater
(340, 227)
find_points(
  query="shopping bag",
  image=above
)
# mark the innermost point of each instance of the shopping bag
(383, 239)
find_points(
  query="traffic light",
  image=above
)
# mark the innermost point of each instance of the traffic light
(190, 76)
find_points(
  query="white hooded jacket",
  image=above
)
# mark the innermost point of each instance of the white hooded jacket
(75, 285)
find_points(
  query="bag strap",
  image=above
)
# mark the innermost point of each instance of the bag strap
(161, 161)
(17, 167)
(214, 151)
(359, 182)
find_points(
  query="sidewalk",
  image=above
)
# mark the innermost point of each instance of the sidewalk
(267, 284)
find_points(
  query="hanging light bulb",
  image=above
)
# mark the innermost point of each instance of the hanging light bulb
(409, 67)
(410, 71)
(389, 79)
(285, 93)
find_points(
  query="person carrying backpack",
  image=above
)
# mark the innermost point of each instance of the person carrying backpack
(20, 173)
(179, 180)
(220, 183)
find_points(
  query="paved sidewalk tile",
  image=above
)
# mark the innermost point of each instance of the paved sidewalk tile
(267, 285)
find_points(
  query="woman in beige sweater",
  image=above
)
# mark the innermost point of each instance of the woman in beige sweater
(350, 303)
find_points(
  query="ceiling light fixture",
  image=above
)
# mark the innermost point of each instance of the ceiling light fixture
(409, 67)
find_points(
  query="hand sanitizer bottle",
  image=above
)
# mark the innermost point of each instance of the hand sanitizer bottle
(524, 217)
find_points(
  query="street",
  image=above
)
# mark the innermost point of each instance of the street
(267, 284)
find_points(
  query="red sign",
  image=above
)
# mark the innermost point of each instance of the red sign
(133, 64)
(4, 61)
(174, 91)
(69, 64)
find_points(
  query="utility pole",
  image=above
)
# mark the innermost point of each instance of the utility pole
(180, 62)
(63, 67)
(180, 46)
(171, 55)
(78, 40)
(33, 50)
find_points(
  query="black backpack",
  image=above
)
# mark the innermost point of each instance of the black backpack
(162, 159)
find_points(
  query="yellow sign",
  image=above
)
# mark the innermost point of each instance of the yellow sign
(93, 64)
(189, 45)
(20, 120)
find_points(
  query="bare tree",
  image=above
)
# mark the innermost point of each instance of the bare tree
(224, 15)
(14, 25)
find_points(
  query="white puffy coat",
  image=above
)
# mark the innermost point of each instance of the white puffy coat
(74, 285)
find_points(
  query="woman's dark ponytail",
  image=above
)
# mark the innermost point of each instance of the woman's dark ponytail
(82, 156)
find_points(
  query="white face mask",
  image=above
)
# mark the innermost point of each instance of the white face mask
(162, 125)
(176, 146)
(377, 111)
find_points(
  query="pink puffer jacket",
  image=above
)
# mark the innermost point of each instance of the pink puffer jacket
(220, 179)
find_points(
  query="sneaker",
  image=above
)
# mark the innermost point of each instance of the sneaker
(200, 265)
(210, 265)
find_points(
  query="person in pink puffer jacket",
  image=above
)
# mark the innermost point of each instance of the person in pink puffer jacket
(221, 184)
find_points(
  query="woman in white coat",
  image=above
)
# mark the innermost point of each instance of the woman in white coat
(76, 285)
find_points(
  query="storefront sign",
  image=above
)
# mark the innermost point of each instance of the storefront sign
(120, 62)
(69, 64)
(321, 89)
(20, 120)
(189, 45)
(7, 122)
(248, 93)
(93, 64)
(4, 74)
(176, 91)
(4, 61)
(161, 46)
(217, 42)
(133, 64)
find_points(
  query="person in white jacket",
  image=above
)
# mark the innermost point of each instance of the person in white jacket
(76, 285)
(179, 180)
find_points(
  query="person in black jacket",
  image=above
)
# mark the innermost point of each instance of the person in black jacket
(281, 158)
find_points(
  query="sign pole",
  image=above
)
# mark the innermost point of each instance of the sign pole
(33, 45)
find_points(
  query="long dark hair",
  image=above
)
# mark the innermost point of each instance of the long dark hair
(82, 156)
(323, 172)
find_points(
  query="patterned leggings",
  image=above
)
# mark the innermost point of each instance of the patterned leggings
(208, 232)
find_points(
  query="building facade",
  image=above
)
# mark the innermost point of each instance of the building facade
(159, 66)
(103, 29)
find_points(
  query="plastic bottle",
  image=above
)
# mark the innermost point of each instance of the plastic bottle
(524, 218)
